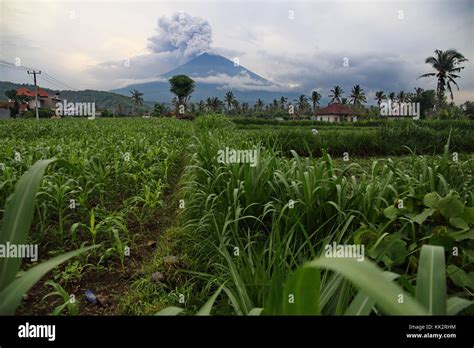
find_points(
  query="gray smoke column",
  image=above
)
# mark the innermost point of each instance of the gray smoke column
(183, 34)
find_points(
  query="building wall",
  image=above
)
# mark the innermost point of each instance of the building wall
(4, 113)
(336, 118)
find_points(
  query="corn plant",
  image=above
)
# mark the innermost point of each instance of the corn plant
(15, 227)
(69, 303)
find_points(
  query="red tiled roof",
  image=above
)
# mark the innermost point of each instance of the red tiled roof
(28, 93)
(24, 91)
(335, 109)
(41, 93)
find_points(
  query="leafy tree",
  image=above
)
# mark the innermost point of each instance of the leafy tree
(446, 64)
(468, 107)
(427, 100)
(182, 86)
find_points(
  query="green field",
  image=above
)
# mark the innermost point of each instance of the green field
(172, 229)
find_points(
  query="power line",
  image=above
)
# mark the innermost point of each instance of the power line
(55, 79)
(47, 78)
(58, 84)
(13, 67)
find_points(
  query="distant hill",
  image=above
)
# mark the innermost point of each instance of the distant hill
(102, 99)
(214, 76)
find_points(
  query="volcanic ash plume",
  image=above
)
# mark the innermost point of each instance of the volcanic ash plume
(183, 34)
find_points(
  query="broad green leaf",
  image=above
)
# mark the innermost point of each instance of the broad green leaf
(391, 212)
(19, 212)
(362, 304)
(459, 223)
(302, 293)
(450, 206)
(460, 277)
(431, 199)
(457, 304)
(431, 280)
(170, 311)
(207, 307)
(420, 218)
(395, 252)
(468, 215)
(11, 296)
(366, 276)
(462, 235)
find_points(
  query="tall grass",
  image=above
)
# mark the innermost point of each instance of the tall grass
(253, 227)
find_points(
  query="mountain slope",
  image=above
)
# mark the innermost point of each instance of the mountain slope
(102, 99)
(207, 64)
(214, 76)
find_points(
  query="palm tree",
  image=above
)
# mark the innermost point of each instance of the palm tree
(379, 97)
(336, 94)
(275, 105)
(344, 101)
(402, 97)
(446, 63)
(229, 99)
(419, 91)
(209, 104)
(283, 101)
(201, 106)
(391, 96)
(216, 104)
(357, 95)
(315, 98)
(137, 99)
(301, 103)
(235, 105)
(259, 105)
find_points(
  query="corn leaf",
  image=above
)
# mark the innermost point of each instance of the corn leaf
(431, 280)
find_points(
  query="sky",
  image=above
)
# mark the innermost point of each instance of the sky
(298, 45)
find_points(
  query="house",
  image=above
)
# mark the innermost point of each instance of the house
(45, 101)
(336, 112)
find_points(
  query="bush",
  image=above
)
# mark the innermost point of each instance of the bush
(213, 121)
(158, 110)
(450, 112)
(42, 113)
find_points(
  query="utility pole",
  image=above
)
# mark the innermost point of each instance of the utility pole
(36, 87)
